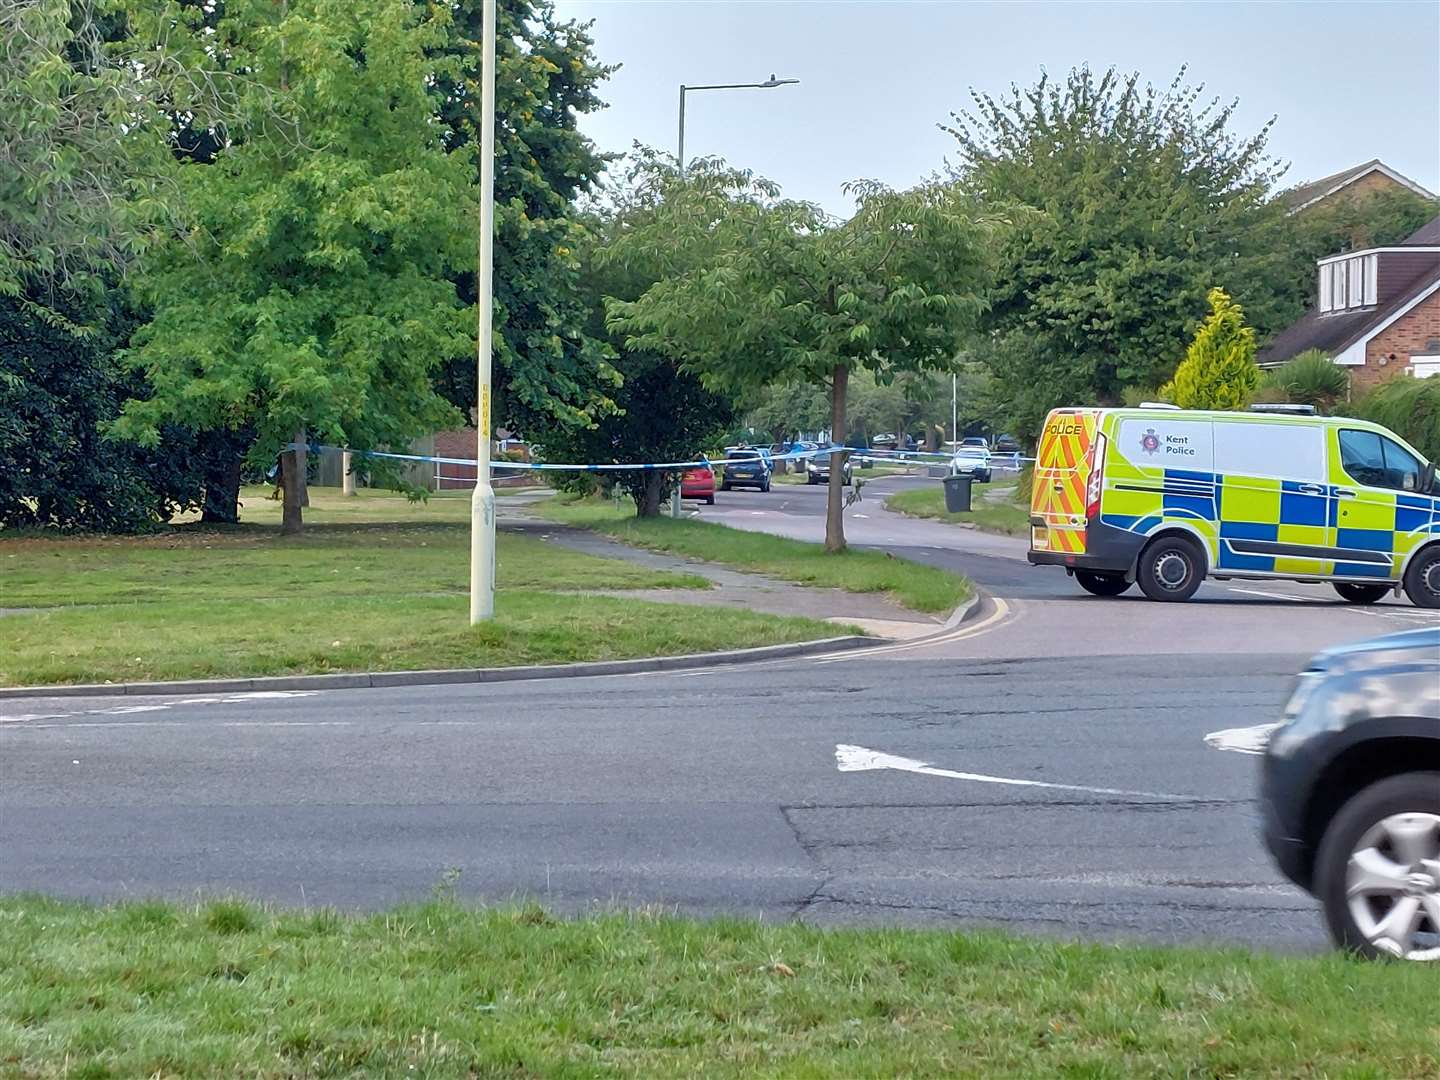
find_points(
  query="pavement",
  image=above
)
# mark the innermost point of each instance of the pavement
(1043, 767)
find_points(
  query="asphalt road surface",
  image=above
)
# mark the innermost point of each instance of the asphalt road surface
(713, 791)
(1043, 766)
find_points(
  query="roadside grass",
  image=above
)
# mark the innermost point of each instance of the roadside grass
(374, 583)
(1005, 516)
(921, 588)
(225, 988)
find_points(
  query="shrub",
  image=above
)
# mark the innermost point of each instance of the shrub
(1407, 406)
(1310, 378)
(1219, 370)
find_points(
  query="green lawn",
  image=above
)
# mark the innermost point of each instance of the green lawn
(922, 588)
(375, 583)
(1006, 517)
(226, 989)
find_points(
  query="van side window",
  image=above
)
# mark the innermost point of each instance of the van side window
(1402, 471)
(1362, 458)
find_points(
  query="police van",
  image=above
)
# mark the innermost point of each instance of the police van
(1165, 497)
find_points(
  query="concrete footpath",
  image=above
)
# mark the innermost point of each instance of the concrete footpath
(874, 613)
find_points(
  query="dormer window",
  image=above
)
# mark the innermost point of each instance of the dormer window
(1348, 283)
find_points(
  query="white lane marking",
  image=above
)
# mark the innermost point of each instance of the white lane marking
(960, 633)
(127, 725)
(859, 759)
(1279, 596)
(121, 710)
(1243, 740)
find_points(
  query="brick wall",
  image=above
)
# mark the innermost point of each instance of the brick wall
(1417, 332)
(462, 444)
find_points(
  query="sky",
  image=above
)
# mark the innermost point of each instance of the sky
(1347, 81)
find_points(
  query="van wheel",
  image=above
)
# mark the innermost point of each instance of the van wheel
(1422, 579)
(1354, 593)
(1171, 568)
(1101, 584)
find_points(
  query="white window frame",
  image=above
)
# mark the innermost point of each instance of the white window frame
(1425, 367)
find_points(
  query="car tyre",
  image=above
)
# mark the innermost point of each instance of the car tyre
(1171, 569)
(1358, 846)
(1422, 578)
(1353, 592)
(725, 486)
(765, 487)
(1098, 584)
(709, 500)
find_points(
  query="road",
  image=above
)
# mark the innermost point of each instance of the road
(723, 791)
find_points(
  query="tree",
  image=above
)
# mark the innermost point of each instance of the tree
(313, 299)
(1219, 370)
(1309, 378)
(1130, 203)
(754, 290)
(660, 411)
(551, 369)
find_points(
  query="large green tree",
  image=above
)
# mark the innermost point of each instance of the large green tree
(312, 298)
(753, 289)
(1132, 203)
(551, 368)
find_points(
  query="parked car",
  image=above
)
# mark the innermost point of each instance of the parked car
(745, 466)
(817, 470)
(698, 483)
(887, 441)
(1350, 793)
(972, 461)
(976, 440)
(1006, 444)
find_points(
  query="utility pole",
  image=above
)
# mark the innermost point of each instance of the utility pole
(482, 504)
(955, 408)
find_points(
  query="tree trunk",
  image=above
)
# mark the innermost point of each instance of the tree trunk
(293, 467)
(222, 494)
(651, 495)
(835, 504)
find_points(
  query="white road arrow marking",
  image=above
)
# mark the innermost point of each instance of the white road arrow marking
(859, 759)
(1243, 740)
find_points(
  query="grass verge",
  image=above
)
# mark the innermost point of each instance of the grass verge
(1005, 517)
(373, 584)
(227, 989)
(922, 588)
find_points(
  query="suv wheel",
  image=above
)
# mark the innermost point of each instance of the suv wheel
(1171, 568)
(1355, 593)
(1378, 869)
(1422, 579)
(1101, 584)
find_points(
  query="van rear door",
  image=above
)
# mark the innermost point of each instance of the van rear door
(1062, 468)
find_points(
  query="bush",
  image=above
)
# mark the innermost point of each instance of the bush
(1219, 370)
(1309, 378)
(1407, 406)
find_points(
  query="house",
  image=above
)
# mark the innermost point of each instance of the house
(1377, 312)
(1369, 178)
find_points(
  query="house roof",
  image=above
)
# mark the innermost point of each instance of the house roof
(1428, 235)
(1334, 332)
(1297, 198)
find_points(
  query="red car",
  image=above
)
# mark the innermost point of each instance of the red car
(698, 484)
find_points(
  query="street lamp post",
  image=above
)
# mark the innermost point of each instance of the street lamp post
(482, 503)
(768, 84)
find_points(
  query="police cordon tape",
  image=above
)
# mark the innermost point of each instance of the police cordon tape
(702, 463)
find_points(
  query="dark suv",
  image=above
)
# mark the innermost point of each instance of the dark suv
(1351, 793)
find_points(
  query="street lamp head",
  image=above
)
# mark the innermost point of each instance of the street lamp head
(773, 81)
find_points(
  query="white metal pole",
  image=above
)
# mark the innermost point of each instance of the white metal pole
(482, 504)
(347, 478)
(680, 149)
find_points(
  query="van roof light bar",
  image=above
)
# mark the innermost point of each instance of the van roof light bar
(1283, 409)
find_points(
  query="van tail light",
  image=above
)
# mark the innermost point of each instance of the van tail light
(1096, 483)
